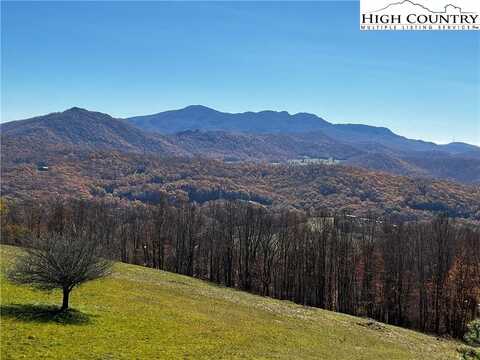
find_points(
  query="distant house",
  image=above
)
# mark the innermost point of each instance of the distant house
(42, 166)
(305, 160)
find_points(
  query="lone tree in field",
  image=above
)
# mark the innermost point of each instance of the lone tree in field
(60, 261)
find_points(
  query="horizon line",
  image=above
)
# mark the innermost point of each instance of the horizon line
(244, 112)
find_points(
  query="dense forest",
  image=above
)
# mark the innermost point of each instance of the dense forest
(107, 174)
(268, 136)
(422, 275)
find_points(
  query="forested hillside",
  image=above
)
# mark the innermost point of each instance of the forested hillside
(272, 137)
(398, 249)
(150, 314)
(197, 117)
(421, 275)
(227, 180)
(147, 178)
(77, 129)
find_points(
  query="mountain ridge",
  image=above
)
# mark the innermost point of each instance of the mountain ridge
(453, 147)
(199, 117)
(80, 129)
(373, 148)
(89, 154)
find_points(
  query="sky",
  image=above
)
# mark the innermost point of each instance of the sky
(137, 58)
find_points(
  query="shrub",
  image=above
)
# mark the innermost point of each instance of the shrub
(472, 336)
(469, 354)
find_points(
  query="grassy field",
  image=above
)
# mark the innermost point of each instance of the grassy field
(140, 313)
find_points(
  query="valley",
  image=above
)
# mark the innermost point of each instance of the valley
(92, 155)
(256, 180)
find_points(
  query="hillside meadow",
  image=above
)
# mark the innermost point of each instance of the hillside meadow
(141, 313)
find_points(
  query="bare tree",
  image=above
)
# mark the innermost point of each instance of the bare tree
(423, 275)
(60, 261)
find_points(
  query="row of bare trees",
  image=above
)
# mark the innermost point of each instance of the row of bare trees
(419, 275)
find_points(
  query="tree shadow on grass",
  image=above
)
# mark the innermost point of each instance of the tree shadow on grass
(44, 314)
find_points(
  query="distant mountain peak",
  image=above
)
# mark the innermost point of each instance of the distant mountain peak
(199, 108)
(76, 109)
(249, 136)
(85, 130)
(303, 116)
(272, 112)
(274, 122)
(78, 113)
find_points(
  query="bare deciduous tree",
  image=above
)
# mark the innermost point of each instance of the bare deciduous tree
(423, 275)
(60, 261)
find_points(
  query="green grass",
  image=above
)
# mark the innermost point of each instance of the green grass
(141, 313)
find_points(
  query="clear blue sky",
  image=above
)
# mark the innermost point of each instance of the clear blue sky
(126, 59)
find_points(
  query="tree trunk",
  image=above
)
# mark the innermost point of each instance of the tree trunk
(66, 293)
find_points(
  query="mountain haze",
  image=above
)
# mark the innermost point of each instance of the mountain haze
(78, 128)
(264, 147)
(269, 136)
(90, 154)
(197, 117)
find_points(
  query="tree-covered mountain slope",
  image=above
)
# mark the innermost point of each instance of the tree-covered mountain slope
(149, 314)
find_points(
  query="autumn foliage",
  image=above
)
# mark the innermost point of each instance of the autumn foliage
(423, 275)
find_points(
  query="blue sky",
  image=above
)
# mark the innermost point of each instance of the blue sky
(136, 58)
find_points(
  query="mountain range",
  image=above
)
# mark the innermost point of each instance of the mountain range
(245, 156)
(197, 117)
(266, 136)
